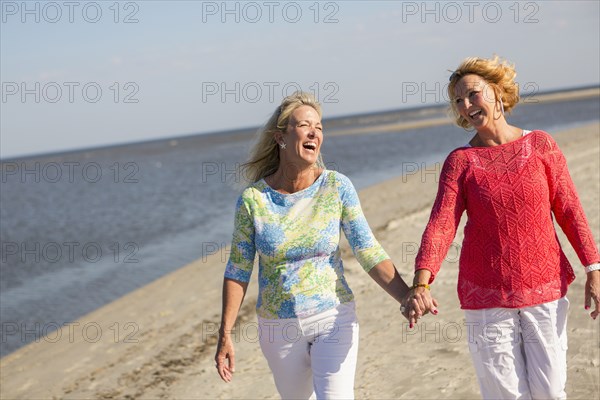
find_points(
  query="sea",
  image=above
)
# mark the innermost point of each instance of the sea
(82, 228)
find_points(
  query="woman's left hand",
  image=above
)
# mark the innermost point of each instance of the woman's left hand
(592, 293)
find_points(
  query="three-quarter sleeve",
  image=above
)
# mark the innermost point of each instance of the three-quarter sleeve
(365, 247)
(445, 216)
(566, 205)
(241, 259)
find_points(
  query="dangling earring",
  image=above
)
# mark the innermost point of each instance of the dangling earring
(282, 145)
(501, 106)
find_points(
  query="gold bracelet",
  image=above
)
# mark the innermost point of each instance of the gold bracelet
(416, 285)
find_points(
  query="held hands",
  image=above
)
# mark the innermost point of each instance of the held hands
(417, 303)
(592, 293)
(225, 358)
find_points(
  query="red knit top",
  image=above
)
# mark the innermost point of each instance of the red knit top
(510, 255)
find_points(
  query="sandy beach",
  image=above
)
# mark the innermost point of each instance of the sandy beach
(159, 341)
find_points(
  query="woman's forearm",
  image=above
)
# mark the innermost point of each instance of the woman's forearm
(386, 276)
(233, 296)
(422, 276)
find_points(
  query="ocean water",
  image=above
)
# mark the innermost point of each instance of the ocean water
(83, 228)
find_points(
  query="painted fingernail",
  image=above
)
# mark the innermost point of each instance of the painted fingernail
(435, 312)
(587, 307)
(411, 325)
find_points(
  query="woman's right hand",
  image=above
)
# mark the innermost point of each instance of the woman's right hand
(225, 357)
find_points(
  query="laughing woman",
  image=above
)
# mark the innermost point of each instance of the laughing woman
(513, 274)
(292, 216)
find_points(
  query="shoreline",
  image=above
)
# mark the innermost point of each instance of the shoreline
(374, 122)
(158, 341)
(431, 122)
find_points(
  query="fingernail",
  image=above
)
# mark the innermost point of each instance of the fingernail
(587, 307)
(411, 325)
(435, 312)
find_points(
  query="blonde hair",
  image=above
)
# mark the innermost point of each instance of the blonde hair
(500, 74)
(264, 155)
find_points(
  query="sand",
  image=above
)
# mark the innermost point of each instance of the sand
(159, 341)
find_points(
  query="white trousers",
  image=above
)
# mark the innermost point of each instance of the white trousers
(520, 353)
(313, 355)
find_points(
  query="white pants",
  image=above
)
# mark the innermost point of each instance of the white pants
(520, 353)
(313, 354)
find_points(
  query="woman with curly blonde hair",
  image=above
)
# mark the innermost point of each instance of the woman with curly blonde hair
(513, 275)
(292, 215)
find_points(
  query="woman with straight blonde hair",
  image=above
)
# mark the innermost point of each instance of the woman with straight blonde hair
(292, 215)
(264, 157)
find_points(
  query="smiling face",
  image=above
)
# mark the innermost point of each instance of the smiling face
(475, 101)
(303, 137)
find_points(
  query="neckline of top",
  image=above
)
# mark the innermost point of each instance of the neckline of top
(299, 192)
(524, 135)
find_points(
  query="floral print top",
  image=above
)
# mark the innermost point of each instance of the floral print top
(297, 238)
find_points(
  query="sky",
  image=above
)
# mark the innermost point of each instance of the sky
(79, 74)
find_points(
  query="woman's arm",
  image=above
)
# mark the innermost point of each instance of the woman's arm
(447, 210)
(237, 275)
(233, 296)
(365, 247)
(569, 214)
(371, 255)
(441, 229)
(386, 276)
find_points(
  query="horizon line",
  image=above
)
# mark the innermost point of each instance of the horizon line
(252, 129)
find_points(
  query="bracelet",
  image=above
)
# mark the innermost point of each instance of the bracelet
(416, 285)
(593, 267)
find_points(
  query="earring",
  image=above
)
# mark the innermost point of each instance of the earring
(282, 145)
(502, 106)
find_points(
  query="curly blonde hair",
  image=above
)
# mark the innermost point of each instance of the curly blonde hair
(500, 74)
(264, 155)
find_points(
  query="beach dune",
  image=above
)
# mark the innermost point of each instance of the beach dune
(159, 341)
